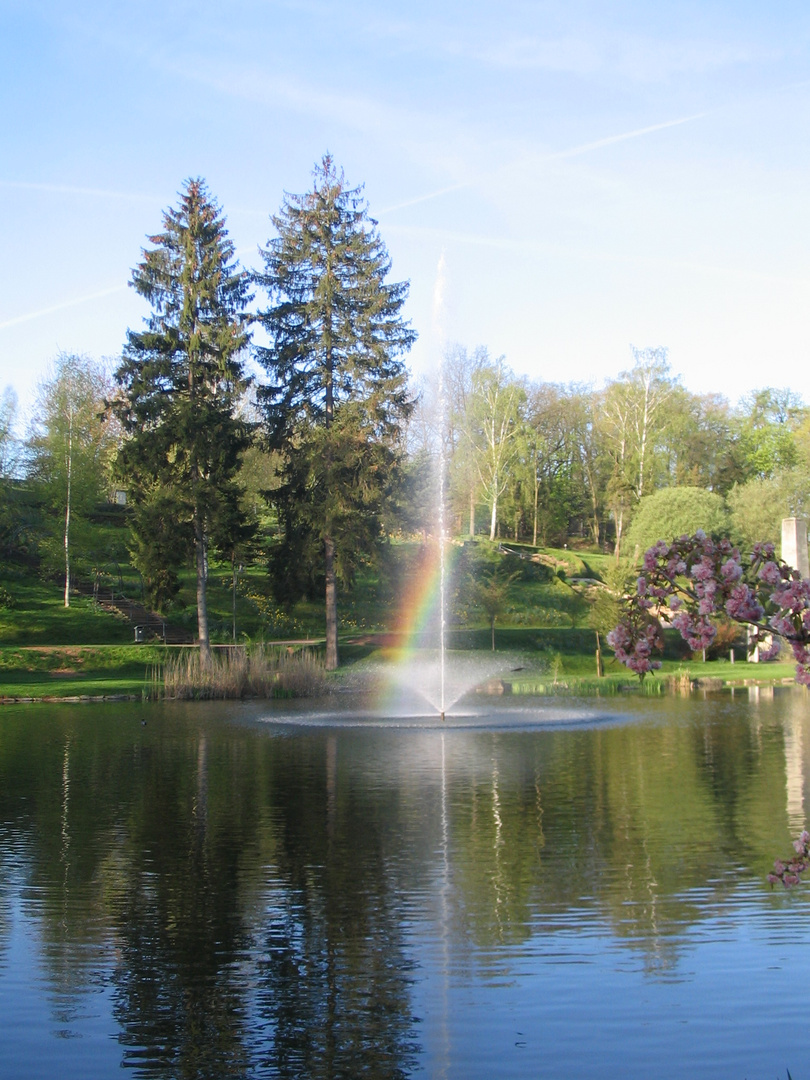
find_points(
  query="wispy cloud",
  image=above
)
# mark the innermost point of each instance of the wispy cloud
(610, 140)
(63, 306)
(514, 38)
(734, 271)
(69, 189)
(554, 155)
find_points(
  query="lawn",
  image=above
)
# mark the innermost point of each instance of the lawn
(48, 650)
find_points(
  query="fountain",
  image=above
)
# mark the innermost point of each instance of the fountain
(442, 583)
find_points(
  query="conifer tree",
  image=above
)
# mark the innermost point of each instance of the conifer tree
(337, 396)
(181, 380)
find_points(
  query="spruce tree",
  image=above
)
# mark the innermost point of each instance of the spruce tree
(181, 380)
(337, 396)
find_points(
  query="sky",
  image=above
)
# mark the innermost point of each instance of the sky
(557, 180)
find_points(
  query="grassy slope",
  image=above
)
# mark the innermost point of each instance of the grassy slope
(70, 670)
(544, 621)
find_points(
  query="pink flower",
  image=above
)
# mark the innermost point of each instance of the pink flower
(703, 570)
(771, 652)
(770, 574)
(731, 570)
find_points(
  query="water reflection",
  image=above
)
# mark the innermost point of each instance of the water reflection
(234, 898)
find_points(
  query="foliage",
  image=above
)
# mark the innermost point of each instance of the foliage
(70, 453)
(337, 397)
(676, 511)
(493, 427)
(606, 607)
(728, 633)
(181, 380)
(490, 594)
(9, 445)
(22, 523)
(765, 441)
(758, 506)
(700, 579)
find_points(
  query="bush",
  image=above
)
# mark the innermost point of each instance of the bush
(674, 512)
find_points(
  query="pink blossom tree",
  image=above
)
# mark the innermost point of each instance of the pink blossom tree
(693, 578)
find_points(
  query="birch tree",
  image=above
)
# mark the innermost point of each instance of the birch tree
(71, 447)
(495, 423)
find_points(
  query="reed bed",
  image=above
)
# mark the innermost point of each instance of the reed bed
(259, 671)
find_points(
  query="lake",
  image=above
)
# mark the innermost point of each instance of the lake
(537, 889)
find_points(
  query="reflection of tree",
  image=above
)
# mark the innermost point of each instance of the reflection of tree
(247, 935)
(642, 824)
(180, 924)
(334, 977)
(253, 893)
(497, 835)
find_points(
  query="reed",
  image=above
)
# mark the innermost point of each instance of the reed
(259, 671)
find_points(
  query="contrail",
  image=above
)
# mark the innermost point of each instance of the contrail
(426, 198)
(59, 307)
(66, 189)
(573, 151)
(599, 143)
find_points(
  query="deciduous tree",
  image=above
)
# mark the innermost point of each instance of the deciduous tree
(71, 446)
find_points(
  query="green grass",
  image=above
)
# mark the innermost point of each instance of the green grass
(70, 670)
(544, 622)
(552, 661)
(39, 616)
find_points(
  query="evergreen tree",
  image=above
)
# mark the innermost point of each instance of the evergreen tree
(337, 396)
(181, 379)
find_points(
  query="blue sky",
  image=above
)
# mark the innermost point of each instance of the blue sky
(556, 180)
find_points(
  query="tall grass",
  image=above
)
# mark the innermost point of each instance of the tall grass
(240, 672)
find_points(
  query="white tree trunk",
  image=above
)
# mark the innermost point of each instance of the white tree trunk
(69, 463)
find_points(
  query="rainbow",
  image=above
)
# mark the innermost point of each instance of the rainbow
(416, 625)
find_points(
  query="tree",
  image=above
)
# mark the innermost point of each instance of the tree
(490, 593)
(181, 379)
(676, 511)
(758, 506)
(8, 441)
(552, 449)
(766, 424)
(694, 580)
(459, 375)
(72, 446)
(493, 426)
(337, 396)
(633, 418)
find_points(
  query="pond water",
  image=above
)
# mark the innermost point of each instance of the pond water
(533, 890)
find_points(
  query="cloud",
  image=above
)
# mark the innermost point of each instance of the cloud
(554, 155)
(68, 189)
(610, 140)
(31, 315)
